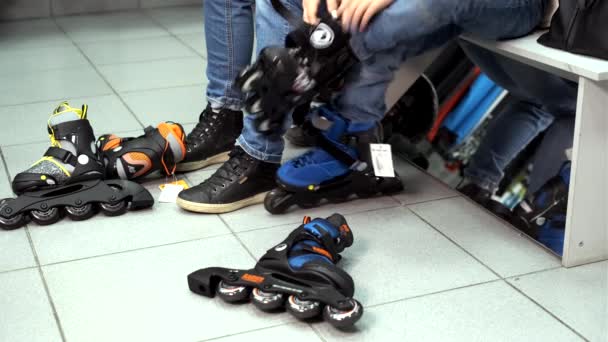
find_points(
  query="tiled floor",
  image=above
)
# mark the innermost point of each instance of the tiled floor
(428, 264)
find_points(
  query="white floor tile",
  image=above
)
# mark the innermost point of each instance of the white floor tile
(578, 296)
(40, 59)
(144, 296)
(26, 312)
(15, 250)
(51, 85)
(180, 20)
(196, 41)
(500, 247)
(164, 223)
(135, 50)
(65, 7)
(182, 104)
(257, 217)
(294, 332)
(488, 312)
(155, 75)
(28, 34)
(394, 256)
(419, 186)
(108, 27)
(28, 122)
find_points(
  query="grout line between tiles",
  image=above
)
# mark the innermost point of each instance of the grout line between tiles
(434, 293)
(298, 221)
(547, 311)
(455, 243)
(136, 249)
(317, 332)
(163, 59)
(45, 285)
(425, 201)
(247, 331)
(156, 21)
(533, 272)
(161, 88)
(238, 239)
(99, 73)
(18, 269)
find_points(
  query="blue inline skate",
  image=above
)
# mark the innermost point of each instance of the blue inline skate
(339, 168)
(543, 215)
(300, 274)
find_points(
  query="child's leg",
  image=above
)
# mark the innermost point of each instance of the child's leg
(229, 38)
(408, 28)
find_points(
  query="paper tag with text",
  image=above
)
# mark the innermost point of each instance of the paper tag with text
(382, 159)
(169, 193)
(177, 182)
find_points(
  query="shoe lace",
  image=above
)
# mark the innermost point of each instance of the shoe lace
(204, 127)
(230, 170)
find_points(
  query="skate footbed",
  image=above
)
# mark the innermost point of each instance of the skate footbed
(220, 208)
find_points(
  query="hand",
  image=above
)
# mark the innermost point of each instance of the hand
(356, 14)
(311, 8)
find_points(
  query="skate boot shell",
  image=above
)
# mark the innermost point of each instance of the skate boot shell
(160, 149)
(339, 169)
(72, 156)
(299, 274)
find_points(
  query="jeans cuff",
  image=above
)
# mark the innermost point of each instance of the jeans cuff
(225, 103)
(481, 181)
(265, 157)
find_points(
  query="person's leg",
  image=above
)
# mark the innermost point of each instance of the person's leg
(271, 30)
(541, 95)
(408, 28)
(249, 173)
(229, 39)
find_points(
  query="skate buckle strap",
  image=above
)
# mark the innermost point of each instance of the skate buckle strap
(167, 160)
(339, 154)
(65, 156)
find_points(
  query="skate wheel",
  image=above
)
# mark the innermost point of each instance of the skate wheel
(46, 217)
(267, 301)
(277, 201)
(303, 309)
(80, 213)
(231, 293)
(12, 222)
(343, 319)
(115, 209)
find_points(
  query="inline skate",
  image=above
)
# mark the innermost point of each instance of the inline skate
(543, 215)
(68, 179)
(337, 169)
(299, 274)
(314, 61)
(159, 149)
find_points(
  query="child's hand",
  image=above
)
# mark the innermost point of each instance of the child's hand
(356, 14)
(311, 7)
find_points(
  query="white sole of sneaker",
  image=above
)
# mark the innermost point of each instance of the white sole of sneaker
(220, 208)
(196, 165)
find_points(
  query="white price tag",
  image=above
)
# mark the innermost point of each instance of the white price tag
(382, 159)
(169, 193)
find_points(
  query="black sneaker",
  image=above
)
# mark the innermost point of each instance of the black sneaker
(212, 138)
(242, 181)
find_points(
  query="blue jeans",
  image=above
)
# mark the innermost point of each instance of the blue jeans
(543, 102)
(229, 38)
(405, 29)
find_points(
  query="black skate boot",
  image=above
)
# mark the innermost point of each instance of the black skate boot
(242, 181)
(212, 138)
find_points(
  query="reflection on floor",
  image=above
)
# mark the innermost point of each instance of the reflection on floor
(428, 264)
